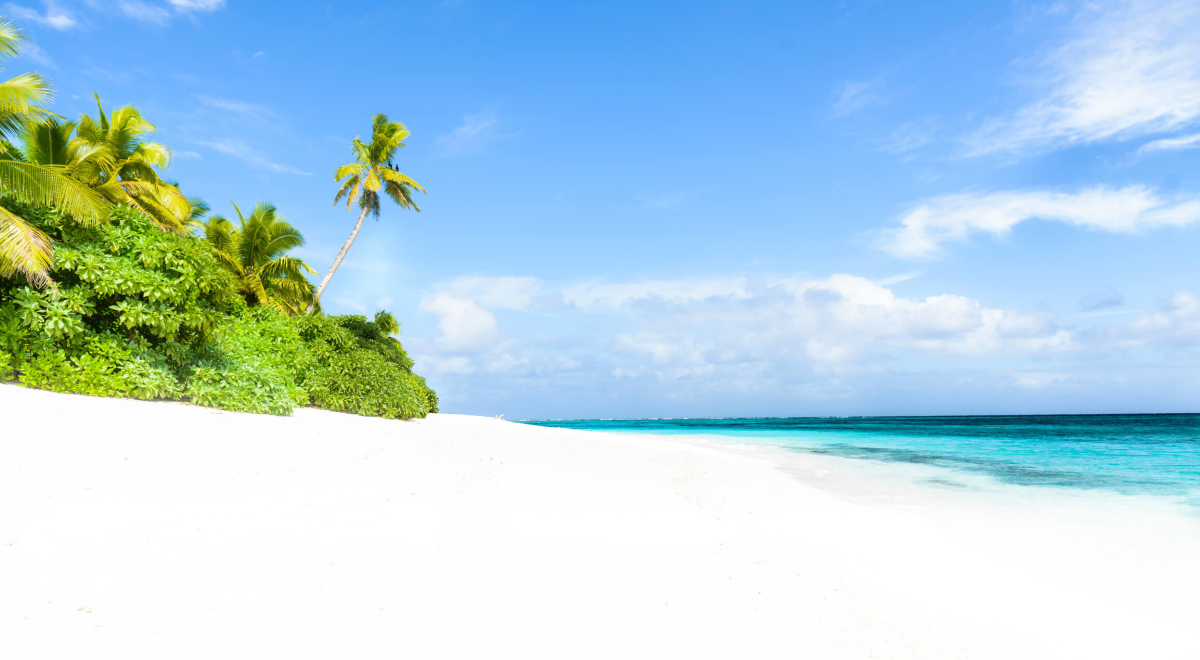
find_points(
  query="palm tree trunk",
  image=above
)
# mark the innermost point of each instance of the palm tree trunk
(337, 262)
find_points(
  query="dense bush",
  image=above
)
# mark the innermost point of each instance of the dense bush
(252, 366)
(358, 368)
(139, 312)
(131, 306)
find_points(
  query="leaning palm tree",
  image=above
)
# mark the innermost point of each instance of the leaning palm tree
(24, 248)
(371, 173)
(111, 155)
(255, 252)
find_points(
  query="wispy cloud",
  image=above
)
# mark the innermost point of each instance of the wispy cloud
(912, 135)
(35, 53)
(854, 95)
(240, 150)
(940, 220)
(54, 16)
(243, 108)
(185, 6)
(146, 13)
(1170, 144)
(119, 77)
(474, 132)
(188, 154)
(1125, 68)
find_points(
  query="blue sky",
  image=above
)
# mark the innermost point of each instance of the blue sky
(710, 209)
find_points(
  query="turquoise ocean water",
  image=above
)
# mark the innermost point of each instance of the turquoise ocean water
(1132, 454)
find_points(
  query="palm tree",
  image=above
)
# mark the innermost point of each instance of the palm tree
(111, 155)
(372, 172)
(24, 248)
(387, 322)
(256, 253)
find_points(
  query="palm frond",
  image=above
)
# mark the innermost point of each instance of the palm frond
(353, 169)
(11, 39)
(19, 99)
(397, 177)
(401, 195)
(350, 190)
(50, 186)
(24, 249)
(153, 153)
(47, 142)
(285, 267)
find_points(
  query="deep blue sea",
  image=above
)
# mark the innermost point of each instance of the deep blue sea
(1134, 454)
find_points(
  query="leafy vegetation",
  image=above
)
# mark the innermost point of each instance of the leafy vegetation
(104, 290)
(142, 313)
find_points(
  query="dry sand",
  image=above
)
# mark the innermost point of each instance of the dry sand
(154, 530)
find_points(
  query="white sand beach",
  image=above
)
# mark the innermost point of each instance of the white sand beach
(157, 530)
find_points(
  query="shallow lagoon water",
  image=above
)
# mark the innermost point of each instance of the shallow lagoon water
(1129, 454)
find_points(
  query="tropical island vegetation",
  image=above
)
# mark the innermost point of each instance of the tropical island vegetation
(114, 283)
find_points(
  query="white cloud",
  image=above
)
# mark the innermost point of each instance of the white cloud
(924, 229)
(794, 339)
(141, 11)
(54, 17)
(464, 324)
(184, 6)
(726, 327)
(1126, 68)
(615, 296)
(1170, 144)
(495, 292)
(1040, 380)
(474, 132)
(1177, 325)
(240, 150)
(188, 154)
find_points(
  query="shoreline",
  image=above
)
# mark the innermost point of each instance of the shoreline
(877, 480)
(143, 529)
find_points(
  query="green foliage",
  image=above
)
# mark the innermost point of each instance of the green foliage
(256, 254)
(252, 366)
(360, 369)
(363, 382)
(132, 306)
(144, 313)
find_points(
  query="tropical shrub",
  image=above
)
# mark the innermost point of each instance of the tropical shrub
(252, 366)
(144, 313)
(130, 308)
(362, 382)
(358, 368)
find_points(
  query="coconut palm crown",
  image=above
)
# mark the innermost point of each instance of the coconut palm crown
(255, 252)
(111, 154)
(373, 174)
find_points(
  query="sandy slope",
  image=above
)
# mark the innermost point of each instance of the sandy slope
(153, 530)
